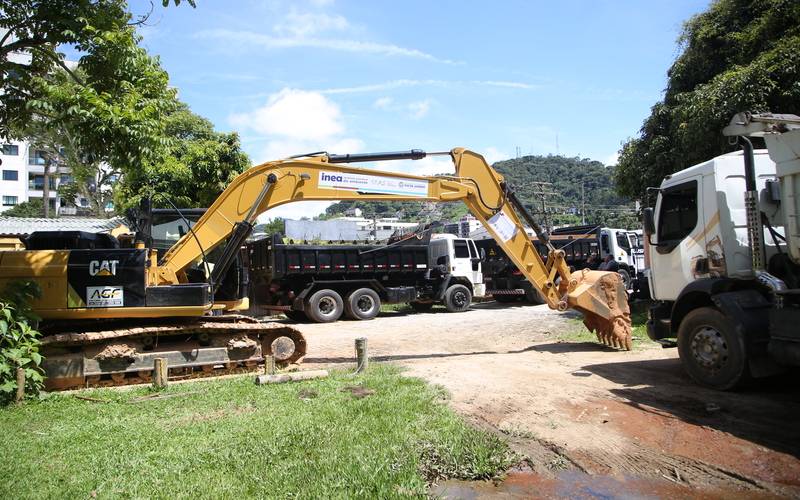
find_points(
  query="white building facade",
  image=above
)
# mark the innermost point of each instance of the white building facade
(23, 178)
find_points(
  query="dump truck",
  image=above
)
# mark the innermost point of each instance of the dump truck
(506, 283)
(723, 251)
(320, 283)
(109, 310)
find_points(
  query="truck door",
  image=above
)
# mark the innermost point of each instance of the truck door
(475, 259)
(678, 225)
(623, 251)
(637, 252)
(461, 262)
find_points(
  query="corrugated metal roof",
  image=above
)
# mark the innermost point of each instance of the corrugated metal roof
(18, 226)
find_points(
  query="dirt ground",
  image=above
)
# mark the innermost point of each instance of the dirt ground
(631, 418)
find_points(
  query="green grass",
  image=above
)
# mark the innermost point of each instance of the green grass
(579, 333)
(231, 438)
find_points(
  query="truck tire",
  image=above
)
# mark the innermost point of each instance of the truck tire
(457, 298)
(533, 296)
(711, 350)
(324, 306)
(297, 316)
(421, 307)
(626, 278)
(362, 304)
(505, 299)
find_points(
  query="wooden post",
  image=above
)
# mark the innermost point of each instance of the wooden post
(269, 365)
(361, 354)
(20, 385)
(160, 373)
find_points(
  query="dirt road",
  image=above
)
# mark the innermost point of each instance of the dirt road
(579, 407)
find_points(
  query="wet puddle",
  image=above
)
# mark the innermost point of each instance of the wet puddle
(575, 485)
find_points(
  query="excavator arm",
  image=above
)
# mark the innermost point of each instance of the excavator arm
(599, 295)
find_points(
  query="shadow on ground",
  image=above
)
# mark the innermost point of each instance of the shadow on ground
(765, 412)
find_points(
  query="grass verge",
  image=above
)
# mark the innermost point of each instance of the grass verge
(230, 438)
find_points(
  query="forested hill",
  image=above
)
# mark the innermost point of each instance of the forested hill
(566, 177)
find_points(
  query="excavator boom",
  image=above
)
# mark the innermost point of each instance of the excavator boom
(599, 295)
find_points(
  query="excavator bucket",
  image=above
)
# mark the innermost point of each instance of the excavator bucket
(603, 300)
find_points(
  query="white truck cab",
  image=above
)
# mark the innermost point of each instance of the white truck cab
(721, 272)
(624, 246)
(701, 224)
(462, 258)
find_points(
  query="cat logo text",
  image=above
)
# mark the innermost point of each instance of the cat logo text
(103, 267)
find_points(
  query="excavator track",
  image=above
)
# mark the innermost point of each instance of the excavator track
(123, 353)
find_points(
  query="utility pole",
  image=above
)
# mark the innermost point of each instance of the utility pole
(543, 190)
(583, 203)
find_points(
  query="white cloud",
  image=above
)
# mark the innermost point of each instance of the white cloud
(419, 109)
(430, 165)
(393, 84)
(492, 155)
(414, 110)
(383, 103)
(507, 84)
(304, 24)
(295, 122)
(294, 114)
(612, 159)
(252, 39)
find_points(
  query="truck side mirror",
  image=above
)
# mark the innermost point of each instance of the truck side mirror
(649, 221)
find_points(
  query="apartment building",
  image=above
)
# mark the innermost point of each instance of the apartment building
(22, 171)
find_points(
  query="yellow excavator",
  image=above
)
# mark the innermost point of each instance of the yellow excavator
(109, 308)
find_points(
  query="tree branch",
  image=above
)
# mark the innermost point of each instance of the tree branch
(58, 61)
(22, 44)
(12, 29)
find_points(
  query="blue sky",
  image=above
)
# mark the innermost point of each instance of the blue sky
(575, 78)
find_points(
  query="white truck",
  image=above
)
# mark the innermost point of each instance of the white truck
(723, 251)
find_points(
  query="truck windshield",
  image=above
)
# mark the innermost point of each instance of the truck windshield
(622, 241)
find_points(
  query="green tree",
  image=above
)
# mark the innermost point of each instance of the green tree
(195, 167)
(28, 209)
(109, 123)
(739, 55)
(35, 32)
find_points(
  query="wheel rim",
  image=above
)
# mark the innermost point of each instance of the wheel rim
(327, 306)
(709, 349)
(459, 299)
(365, 303)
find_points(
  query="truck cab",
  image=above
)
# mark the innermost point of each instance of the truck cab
(623, 246)
(462, 257)
(731, 319)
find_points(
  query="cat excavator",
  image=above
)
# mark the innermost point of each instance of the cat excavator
(109, 307)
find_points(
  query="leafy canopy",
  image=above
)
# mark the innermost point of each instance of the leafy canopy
(740, 55)
(195, 167)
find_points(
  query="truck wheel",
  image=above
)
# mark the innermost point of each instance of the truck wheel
(324, 306)
(711, 350)
(298, 316)
(505, 299)
(457, 298)
(534, 297)
(421, 307)
(626, 278)
(362, 304)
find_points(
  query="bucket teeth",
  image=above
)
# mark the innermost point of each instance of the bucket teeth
(603, 300)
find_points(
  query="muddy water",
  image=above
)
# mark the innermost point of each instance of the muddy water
(578, 485)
